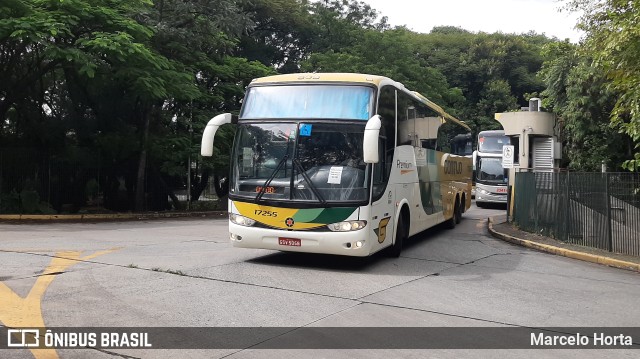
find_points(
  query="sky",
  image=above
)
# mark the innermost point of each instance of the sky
(507, 16)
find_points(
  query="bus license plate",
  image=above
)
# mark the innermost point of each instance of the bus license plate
(289, 242)
(502, 190)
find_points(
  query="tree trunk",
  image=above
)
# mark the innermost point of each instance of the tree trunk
(221, 185)
(198, 185)
(142, 166)
(165, 188)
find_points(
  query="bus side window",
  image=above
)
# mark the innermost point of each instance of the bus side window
(425, 127)
(406, 119)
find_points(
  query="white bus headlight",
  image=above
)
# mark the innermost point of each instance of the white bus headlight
(347, 226)
(484, 191)
(241, 220)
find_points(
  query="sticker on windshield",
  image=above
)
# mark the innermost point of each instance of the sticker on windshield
(305, 130)
(335, 175)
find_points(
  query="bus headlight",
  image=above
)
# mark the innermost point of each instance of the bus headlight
(241, 220)
(482, 191)
(347, 226)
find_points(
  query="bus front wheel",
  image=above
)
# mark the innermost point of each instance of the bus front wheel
(396, 247)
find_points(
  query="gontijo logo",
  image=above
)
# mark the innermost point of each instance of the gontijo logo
(451, 166)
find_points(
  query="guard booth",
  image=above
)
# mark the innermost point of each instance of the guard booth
(534, 143)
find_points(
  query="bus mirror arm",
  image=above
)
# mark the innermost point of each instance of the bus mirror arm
(370, 142)
(206, 148)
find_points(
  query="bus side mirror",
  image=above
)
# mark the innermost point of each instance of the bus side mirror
(370, 142)
(206, 147)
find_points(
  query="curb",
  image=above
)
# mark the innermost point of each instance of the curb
(104, 217)
(564, 252)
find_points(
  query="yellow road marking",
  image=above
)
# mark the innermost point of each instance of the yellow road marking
(18, 312)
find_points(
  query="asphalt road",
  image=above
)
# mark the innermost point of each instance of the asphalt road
(184, 273)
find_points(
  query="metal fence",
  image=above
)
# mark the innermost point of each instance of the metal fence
(39, 183)
(599, 210)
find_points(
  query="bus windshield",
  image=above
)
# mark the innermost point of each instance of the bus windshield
(311, 162)
(462, 145)
(308, 101)
(490, 170)
(492, 144)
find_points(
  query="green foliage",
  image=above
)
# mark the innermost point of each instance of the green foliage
(92, 188)
(122, 90)
(29, 199)
(25, 202)
(217, 205)
(472, 76)
(108, 77)
(493, 71)
(388, 53)
(613, 42)
(579, 94)
(10, 202)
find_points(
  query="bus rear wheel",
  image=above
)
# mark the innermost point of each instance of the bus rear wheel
(459, 211)
(455, 216)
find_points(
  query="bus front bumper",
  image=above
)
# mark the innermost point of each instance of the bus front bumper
(355, 243)
(491, 197)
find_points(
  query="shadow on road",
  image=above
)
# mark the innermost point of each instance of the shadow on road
(499, 206)
(428, 253)
(318, 261)
(345, 263)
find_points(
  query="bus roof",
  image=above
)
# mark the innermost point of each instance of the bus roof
(439, 110)
(323, 77)
(491, 133)
(354, 78)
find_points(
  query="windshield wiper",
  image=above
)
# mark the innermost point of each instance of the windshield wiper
(313, 187)
(263, 188)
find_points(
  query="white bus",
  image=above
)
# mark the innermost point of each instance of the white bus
(345, 164)
(490, 178)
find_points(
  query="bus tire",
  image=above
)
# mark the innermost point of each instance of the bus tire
(451, 222)
(459, 211)
(396, 248)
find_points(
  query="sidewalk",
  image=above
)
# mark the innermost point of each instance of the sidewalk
(104, 217)
(508, 232)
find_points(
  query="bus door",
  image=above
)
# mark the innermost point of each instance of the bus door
(383, 197)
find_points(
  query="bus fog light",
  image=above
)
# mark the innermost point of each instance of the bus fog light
(235, 237)
(347, 226)
(359, 244)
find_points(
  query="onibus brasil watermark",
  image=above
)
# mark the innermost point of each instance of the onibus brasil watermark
(320, 338)
(49, 339)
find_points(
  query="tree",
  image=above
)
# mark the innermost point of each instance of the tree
(388, 53)
(111, 77)
(200, 35)
(579, 94)
(65, 56)
(613, 40)
(282, 35)
(493, 71)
